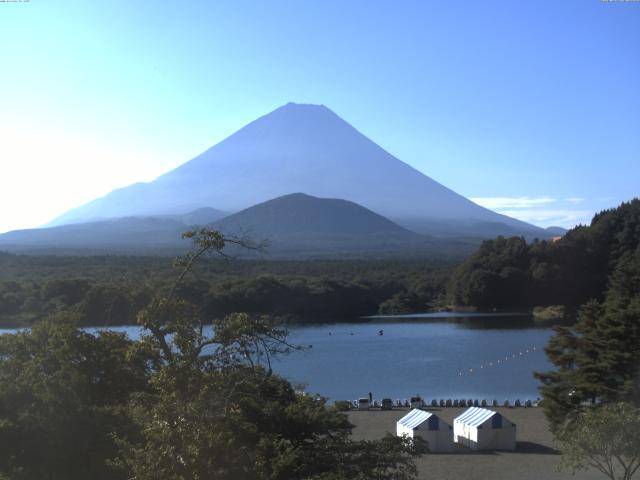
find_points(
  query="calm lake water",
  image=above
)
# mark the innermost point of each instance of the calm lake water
(435, 355)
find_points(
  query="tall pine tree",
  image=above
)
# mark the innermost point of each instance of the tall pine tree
(598, 359)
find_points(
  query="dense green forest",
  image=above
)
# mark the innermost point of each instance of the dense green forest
(110, 290)
(511, 273)
(592, 396)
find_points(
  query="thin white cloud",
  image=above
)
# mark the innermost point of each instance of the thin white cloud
(566, 218)
(542, 210)
(498, 203)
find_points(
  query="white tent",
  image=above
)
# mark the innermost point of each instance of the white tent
(482, 429)
(427, 426)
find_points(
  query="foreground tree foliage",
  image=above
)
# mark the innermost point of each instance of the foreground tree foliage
(178, 404)
(216, 410)
(606, 439)
(63, 395)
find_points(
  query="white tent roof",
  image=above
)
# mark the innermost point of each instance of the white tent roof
(475, 416)
(414, 418)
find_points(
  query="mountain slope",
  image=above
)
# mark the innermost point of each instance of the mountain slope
(302, 226)
(200, 216)
(130, 234)
(298, 148)
(122, 234)
(295, 226)
(556, 231)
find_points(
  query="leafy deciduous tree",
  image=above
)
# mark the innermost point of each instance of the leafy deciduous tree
(606, 438)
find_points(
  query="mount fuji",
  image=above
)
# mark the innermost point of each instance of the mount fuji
(309, 149)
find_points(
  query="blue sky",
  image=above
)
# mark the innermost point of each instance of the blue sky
(531, 107)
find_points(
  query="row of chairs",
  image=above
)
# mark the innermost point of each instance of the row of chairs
(479, 403)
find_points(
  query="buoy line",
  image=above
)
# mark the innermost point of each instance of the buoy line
(499, 362)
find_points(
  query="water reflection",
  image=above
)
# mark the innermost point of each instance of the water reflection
(472, 320)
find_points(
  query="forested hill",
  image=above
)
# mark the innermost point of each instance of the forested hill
(299, 215)
(513, 273)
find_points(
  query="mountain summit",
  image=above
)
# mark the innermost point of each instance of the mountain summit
(299, 148)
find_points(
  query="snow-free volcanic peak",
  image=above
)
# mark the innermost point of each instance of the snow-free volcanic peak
(296, 148)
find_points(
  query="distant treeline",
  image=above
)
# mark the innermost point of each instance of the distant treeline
(110, 290)
(505, 273)
(509, 273)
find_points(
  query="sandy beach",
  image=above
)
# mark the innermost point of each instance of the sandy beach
(536, 457)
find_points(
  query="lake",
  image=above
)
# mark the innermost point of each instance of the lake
(454, 356)
(450, 355)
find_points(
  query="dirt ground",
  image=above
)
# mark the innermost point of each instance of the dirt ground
(534, 459)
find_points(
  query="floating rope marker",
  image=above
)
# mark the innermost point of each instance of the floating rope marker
(489, 364)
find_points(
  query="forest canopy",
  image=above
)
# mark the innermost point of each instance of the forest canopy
(511, 273)
(110, 290)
